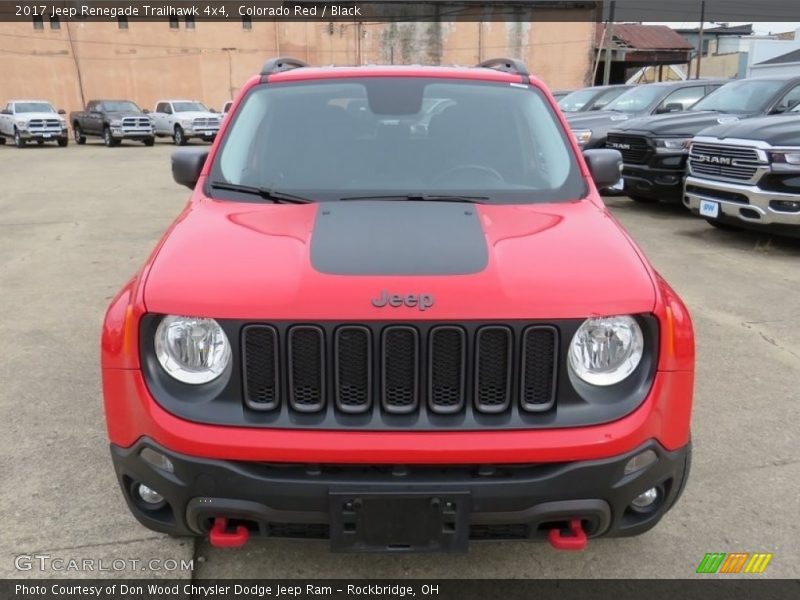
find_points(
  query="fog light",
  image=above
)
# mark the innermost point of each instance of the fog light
(646, 499)
(157, 459)
(149, 495)
(640, 461)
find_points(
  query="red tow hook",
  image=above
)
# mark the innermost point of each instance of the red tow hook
(221, 538)
(575, 541)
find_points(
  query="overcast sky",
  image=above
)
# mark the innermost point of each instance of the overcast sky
(764, 28)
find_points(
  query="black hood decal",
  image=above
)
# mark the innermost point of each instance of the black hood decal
(398, 238)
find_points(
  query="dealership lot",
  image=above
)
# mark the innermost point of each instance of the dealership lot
(75, 223)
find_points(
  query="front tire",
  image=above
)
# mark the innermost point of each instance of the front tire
(2, 140)
(108, 139)
(179, 137)
(18, 141)
(62, 142)
(149, 141)
(77, 133)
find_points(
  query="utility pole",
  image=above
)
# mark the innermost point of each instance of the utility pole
(609, 43)
(77, 64)
(700, 38)
(230, 70)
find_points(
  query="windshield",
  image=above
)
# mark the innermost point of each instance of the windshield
(33, 107)
(379, 136)
(638, 99)
(744, 96)
(189, 107)
(120, 106)
(575, 101)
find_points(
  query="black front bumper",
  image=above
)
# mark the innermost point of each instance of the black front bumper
(497, 501)
(657, 183)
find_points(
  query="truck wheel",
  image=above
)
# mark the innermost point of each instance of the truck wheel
(643, 199)
(2, 140)
(149, 141)
(18, 141)
(179, 137)
(40, 142)
(62, 142)
(108, 139)
(77, 133)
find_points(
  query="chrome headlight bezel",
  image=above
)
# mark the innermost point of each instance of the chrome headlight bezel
(618, 329)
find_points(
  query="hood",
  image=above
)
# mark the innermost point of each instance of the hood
(683, 123)
(38, 115)
(778, 130)
(197, 114)
(594, 118)
(340, 261)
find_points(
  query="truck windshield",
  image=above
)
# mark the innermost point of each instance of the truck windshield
(33, 107)
(744, 96)
(120, 106)
(636, 99)
(381, 136)
(189, 107)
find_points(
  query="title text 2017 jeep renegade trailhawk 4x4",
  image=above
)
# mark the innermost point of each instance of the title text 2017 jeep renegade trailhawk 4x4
(396, 315)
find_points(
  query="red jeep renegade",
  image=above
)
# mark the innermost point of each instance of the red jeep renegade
(396, 315)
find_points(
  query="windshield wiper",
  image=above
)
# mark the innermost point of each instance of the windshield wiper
(423, 197)
(275, 196)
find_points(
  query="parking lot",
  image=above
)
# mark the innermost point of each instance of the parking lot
(76, 223)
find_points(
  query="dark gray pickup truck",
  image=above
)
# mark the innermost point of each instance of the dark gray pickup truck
(114, 121)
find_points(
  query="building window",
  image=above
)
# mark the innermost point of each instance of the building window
(38, 22)
(247, 22)
(189, 22)
(122, 22)
(174, 23)
(55, 23)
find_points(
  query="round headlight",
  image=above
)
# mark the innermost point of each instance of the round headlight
(192, 350)
(605, 350)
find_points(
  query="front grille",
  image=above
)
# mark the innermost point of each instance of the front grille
(40, 125)
(136, 122)
(720, 161)
(203, 122)
(634, 148)
(385, 372)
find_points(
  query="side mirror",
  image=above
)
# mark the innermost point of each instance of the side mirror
(146, 111)
(671, 107)
(61, 111)
(187, 163)
(213, 110)
(605, 166)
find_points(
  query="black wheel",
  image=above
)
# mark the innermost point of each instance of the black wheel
(108, 139)
(149, 141)
(40, 142)
(643, 199)
(18, 141)
(179, 138)
(77, 134)
(2, 140)
(721, 225)
(62, 142)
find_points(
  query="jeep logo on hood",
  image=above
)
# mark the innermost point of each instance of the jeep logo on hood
(714, 160)
(420, 301)
(619, 146)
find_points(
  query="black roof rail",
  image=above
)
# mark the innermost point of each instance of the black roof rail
(284, 63)
(509, 65)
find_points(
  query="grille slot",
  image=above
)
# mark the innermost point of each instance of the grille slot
(353, 369)
(447, 361)
(400, 369)
(260, 346)
(538, 387)
(306, 358)
(493, 369)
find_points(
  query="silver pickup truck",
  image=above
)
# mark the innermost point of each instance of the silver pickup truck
(183, 120)
(747, 174)
(32, 121)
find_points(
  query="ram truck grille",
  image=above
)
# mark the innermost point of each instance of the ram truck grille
(385, 370)
(44, 126)
(721, 161)
(634, 148)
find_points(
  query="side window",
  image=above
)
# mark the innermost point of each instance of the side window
(160, 107)
(684, 97)
(789, 101)
(91, 106)
(167, 108)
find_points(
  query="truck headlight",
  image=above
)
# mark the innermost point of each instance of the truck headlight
(22, 124)
(789, 158)
(673, 144)
(186, 122)
(582, 136)
(605, 350)
(192, 350)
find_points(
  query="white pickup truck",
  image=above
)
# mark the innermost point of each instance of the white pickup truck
(185, 119)
(32, 121)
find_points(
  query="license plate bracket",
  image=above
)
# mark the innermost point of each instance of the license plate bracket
(399, 522)
(709, 209)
